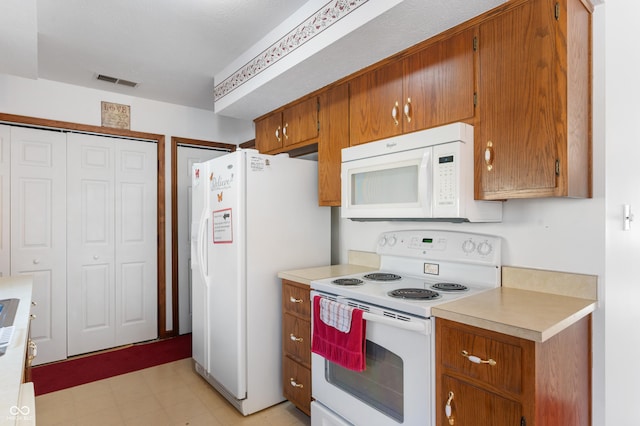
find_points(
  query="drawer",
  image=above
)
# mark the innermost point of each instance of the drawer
(296, 338)
(296, 384)
(296, 299)
(458, 346)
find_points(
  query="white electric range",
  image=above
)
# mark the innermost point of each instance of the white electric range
(419, 269)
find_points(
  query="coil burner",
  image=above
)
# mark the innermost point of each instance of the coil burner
(382, 276)
(348, 281)
(414, 294)
(449, 287)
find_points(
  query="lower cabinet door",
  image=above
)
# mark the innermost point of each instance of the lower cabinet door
(297, 384)
(464, 404)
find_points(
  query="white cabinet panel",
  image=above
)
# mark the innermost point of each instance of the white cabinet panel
(38, 231)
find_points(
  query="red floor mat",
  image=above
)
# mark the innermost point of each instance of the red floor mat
(65, 374)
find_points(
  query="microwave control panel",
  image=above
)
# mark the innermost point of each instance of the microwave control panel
(446, 176)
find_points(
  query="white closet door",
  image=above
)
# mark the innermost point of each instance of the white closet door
(136, 241)
(187, 156)
(112, 242)
(5, 211)
(90, 243)
(38, 232)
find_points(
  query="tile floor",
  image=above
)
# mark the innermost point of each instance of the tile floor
(169, 394)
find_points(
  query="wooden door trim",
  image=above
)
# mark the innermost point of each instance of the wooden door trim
(159, 139)
(175, 141)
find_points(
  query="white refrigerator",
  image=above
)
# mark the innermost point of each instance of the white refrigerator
(253, 215)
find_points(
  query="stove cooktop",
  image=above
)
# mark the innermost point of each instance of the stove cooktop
(449, 264)
(377, 292)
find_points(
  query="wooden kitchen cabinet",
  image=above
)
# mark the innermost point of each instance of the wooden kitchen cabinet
(288, 128)
(533, 133)
(296, 344)
(518, 382)
(334, 135)
(431, 87)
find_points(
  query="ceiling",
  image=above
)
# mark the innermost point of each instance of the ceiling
(173, 49)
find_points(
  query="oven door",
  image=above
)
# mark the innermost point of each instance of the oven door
(398, 383)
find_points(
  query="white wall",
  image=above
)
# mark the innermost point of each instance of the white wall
(57, 101)
(622, 266)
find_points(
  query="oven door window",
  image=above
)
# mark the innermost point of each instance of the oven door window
(380, 385)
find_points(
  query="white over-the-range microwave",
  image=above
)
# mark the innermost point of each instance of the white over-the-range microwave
(424, 175)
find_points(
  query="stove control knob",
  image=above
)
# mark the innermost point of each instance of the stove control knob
(392, 240)
(484, 248)
(382, 241)
(468, 246)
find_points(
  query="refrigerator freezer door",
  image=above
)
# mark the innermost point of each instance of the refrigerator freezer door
(227, 297)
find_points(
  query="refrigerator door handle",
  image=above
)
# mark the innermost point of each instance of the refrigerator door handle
(201, 244)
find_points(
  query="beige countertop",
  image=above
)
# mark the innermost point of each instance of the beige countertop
(17, 403)
(359, 261)
(531, 304)
(305, 276)
(527, 314)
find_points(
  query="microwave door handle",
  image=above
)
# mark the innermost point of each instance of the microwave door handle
(419, 327)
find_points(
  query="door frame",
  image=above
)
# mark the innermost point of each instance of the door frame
(175, 141)
(21, 120)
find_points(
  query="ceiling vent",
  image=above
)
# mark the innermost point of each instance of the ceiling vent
(115, 80)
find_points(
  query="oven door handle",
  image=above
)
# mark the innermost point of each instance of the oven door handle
(417, 326)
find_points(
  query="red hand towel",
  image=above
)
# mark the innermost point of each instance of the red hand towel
(345, 349)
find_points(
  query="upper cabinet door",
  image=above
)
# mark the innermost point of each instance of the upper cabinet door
(292, 126)
(375, 96)
(517, 101)
(300, 122)
(533, 134)
(269, 133)
(438, 83)
(429, 88)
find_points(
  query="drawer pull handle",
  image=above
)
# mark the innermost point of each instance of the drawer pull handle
(295, 384)
(295, 338)
(477, 360)
(294, 300)
(447, 409)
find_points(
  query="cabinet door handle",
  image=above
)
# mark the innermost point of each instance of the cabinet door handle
(447, 409)
(407, 110)
(294, 300)
(278, 134)
(294, 338)
(477, 360)
(489, 156)
(295, 384)
(284, 130)
(394, 113)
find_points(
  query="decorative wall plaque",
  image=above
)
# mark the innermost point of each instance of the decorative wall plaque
(115, 115)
